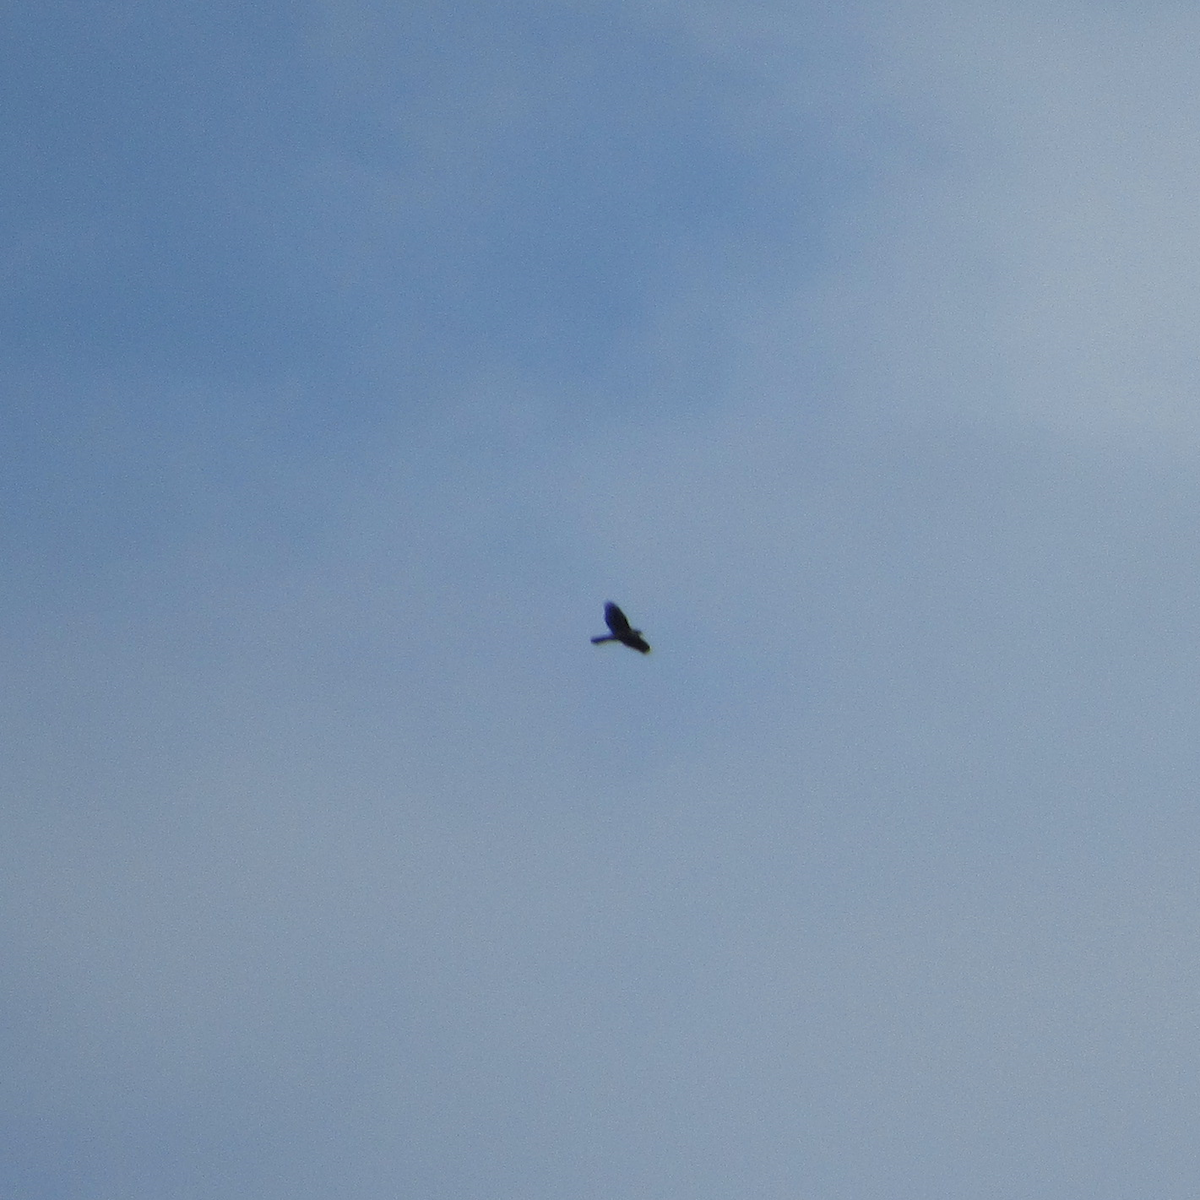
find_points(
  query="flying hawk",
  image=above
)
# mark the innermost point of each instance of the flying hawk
(622, 631)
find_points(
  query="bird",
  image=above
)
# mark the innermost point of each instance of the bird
(621, 630)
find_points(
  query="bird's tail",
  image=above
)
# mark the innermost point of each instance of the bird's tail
(608, 637)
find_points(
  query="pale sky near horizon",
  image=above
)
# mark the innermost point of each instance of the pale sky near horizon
(354, 354)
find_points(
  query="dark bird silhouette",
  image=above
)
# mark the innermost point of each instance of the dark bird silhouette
(622, 631)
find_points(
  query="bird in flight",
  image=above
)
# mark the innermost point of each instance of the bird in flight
(622, 631)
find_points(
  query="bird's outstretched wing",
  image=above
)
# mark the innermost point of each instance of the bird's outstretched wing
(617, 621)
(634, 640)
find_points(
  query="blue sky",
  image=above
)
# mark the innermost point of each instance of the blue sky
(354, 355)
